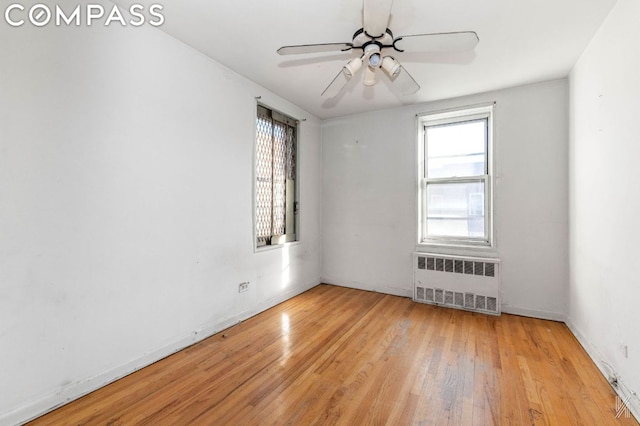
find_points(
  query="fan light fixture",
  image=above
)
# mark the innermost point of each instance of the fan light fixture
(374, 60)
(352, 67)
(391, 66)
(369, 76)
(372, 53)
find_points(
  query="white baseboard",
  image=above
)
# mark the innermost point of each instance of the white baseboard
(625, 394)
(85, 386)
(507, 309)
(533, 313)
(402, 292)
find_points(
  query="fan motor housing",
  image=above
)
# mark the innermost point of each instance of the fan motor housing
(361, 39)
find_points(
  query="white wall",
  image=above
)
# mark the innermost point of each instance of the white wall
(126, 207)
(604, 173)
(369, 196)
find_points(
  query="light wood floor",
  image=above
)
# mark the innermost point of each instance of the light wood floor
(341, 356)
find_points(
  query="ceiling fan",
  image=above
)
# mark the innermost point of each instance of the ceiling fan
(374, 39)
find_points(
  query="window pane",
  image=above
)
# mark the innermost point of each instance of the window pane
(456, 210)
(264, 183)
(279, 174)
(457, 149)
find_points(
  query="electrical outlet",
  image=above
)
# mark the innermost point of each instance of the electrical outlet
(242, 287)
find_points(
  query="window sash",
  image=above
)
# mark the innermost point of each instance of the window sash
(464, 120)
(428, 237)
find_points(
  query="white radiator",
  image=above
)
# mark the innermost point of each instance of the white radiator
(467, 283)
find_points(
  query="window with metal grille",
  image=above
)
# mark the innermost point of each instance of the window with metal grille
(276, 164)
(456, 177)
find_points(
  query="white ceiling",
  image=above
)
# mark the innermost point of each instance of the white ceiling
(520, 42)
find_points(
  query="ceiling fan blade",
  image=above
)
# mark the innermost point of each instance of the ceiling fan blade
(314, 48)
(437, 42)
(336, 86)
(403, 83)
(376, 15)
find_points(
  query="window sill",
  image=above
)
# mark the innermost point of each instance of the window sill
(275, 247)
(457, 249)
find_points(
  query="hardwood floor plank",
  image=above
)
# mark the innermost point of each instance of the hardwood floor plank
(340, 356)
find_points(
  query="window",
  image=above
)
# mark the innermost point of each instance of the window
(455, 177)
(275, 174)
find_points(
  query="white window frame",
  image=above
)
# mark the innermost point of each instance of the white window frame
(484, 111)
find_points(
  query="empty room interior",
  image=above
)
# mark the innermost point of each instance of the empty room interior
(340, 212)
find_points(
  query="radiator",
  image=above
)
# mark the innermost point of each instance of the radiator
(467, 283)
